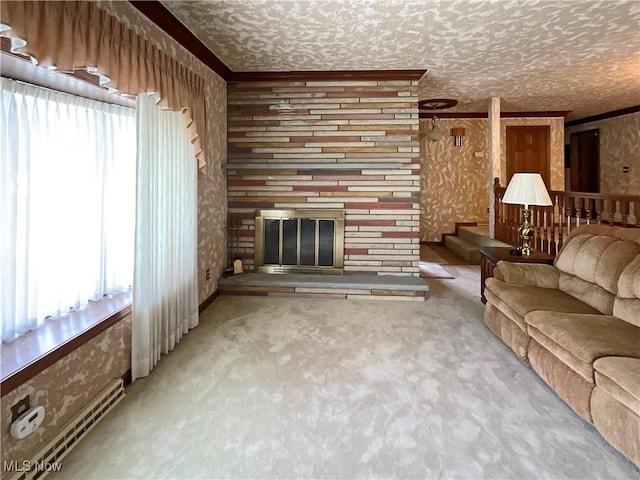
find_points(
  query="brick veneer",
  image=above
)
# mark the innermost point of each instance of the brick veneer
(349, 145)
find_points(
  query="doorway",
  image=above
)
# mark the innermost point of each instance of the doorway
(585, 161)
(529, 150)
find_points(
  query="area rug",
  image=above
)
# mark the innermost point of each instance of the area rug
(433, 270)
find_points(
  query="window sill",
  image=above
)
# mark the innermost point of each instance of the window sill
(38, 349)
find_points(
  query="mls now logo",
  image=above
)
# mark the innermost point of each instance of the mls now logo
(28, 466)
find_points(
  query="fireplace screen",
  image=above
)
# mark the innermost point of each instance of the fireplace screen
(290, 241)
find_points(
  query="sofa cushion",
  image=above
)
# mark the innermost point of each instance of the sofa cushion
(620, 378)
(627, 302)
(534, 274)
(515, 301)
(589, 293)
(616, 423)
(578, 339)
(591, 266)
(629, 281)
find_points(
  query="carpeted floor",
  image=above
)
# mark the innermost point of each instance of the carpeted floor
(445, 254)
(304, 388)
(428, 254)
(433, 270)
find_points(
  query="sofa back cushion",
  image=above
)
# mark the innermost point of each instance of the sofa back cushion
(592, 260)
(627, 303)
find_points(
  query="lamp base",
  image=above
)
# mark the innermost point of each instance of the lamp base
(526, 232)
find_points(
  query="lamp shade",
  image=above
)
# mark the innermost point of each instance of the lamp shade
(527, 189)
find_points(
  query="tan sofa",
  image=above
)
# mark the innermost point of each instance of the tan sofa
(578, 324)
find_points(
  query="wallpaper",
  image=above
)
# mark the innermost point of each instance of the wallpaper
(619, 147)
(85, 372)
(212, 194)
(453, 180)
(536, 55)
(211, 184)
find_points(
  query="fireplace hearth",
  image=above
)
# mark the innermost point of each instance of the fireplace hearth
(299, 241)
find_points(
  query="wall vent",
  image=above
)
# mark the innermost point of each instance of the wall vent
(76, 429)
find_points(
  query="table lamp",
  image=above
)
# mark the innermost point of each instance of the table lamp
(526, 189)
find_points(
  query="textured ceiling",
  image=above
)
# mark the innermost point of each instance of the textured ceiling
(574, 55)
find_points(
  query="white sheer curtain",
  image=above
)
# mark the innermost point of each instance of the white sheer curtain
(165, 303)
(67, 193)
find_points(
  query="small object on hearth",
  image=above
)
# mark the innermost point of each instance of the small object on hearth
(515, 252)
(228, 272)
(237, 266)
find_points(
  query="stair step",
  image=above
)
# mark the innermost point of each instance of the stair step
(463, 248)
(479, 236)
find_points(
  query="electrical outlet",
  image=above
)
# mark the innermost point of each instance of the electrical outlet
(208, 274)
(625, 169)
(20, 407)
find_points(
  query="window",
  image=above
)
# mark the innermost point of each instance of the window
(67, 203)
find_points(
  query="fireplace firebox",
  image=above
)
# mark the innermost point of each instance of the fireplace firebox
(299, 241)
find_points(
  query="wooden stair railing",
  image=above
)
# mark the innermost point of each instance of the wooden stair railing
(551, 225)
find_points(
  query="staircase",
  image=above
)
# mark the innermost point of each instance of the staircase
(469, 240)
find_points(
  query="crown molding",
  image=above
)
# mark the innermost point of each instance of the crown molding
(429, 115)
(163, 18)
(548, 113)
(327, 75)
(552, 113)
(603, 116)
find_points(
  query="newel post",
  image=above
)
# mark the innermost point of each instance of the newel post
(497, 197)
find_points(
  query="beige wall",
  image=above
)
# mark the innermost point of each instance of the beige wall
(454, 182)
(619, 147)
(67, 386)
(212, 192)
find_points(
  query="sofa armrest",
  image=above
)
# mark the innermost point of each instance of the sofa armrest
(532, 274)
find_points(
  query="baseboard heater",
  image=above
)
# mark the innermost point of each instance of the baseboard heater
(76, 429)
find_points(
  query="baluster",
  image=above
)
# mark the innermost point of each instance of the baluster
(513, 215)
(607, 215)
(577, 202)
(624, 213)
(615, 208)
(597, 210)
(553, 247)
(635, 219)
(569, 210)
(545, 229)
(535, 220)
(562, 201)
(587, 209)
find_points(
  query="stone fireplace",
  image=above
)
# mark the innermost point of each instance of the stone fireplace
(307, 148)
(299, 241)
